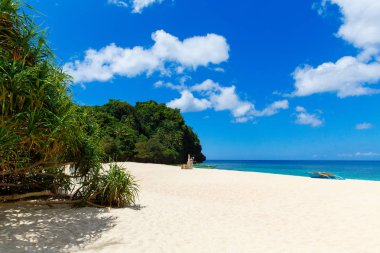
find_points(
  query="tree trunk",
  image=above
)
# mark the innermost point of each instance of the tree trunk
(26, 195)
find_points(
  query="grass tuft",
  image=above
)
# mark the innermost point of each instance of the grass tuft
(118, 187)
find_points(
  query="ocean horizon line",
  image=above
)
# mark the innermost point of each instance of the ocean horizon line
(291, 160)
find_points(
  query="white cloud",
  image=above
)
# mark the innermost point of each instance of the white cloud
(219, 69)
(243, 119)
(273, 108)
(360, 154)
(191, 53)
(220, 98)
(227, 99)
(119, 3)
(363, 126)
(305, 118)
(366, 154)
(361, 22)
(139, 5)
(348, 76)
(300, 109)
(136, 5)
(188, 103)
(160, 84)
(207, 86)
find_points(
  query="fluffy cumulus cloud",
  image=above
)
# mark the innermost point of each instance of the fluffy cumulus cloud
(136, 5)
(363, 126)
(188, 103)
(305, 118)
(361, 22)
(346, 77)
(167, 52)
(227, 99)
(350, 75)
(212, 95)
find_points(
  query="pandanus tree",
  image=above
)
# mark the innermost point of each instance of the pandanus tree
(47, 143)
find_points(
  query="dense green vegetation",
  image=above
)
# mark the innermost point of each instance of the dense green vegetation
(46, 141)
(53, 148)
(148, 132)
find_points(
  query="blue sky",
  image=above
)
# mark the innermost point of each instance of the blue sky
(255, 79)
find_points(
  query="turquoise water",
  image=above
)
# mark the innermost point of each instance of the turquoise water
(363, 170)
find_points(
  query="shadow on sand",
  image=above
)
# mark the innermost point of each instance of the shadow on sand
(40, 229)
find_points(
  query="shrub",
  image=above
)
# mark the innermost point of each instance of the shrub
(117, 187)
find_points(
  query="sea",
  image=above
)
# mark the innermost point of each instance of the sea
(361, 170)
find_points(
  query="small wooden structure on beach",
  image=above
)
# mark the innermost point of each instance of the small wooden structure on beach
(189, 164)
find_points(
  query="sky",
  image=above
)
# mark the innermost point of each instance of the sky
(256, 80)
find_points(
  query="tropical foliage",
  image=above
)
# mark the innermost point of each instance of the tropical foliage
(117, 188)
(148, 132)
(53, 148)
(48, 145)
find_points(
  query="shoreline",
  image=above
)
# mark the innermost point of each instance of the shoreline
(348, 170)
(210, 210)
(344, 179)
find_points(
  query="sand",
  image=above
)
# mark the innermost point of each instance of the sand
(204, 210)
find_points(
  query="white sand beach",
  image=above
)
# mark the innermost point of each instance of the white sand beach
(204, 210)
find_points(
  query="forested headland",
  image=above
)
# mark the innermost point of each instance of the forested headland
(147, 132)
